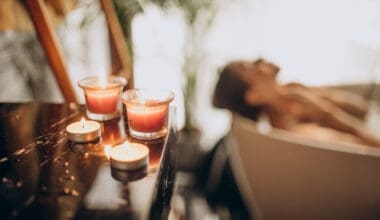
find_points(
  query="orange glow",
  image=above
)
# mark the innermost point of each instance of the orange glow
(107, 151)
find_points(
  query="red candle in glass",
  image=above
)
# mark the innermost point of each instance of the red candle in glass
(102, 101)
(147, 119)
(147, 112)
(102, 96)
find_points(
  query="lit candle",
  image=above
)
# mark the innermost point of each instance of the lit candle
(102, 96)
(147, 119)
(115, 132)
(129, 156)
(83, 131)
(102, 101)
(147, 112)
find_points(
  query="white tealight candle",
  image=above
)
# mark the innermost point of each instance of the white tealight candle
(129, 156)
(83, 131)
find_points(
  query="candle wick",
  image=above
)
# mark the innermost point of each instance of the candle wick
(82, 122)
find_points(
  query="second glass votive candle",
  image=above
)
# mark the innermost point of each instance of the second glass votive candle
(147, 112)
(102, 98)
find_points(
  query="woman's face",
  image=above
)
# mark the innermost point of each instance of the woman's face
(262, 83)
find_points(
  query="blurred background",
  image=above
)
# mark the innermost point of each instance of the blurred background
(182, 45)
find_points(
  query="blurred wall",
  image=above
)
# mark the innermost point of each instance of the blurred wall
(314, 42)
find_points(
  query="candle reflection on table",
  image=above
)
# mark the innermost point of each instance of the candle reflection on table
(126, 176)
(113, 132)
(155, 150)
(44, 178)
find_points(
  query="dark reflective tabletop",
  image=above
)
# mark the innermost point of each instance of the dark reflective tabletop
(45, 176)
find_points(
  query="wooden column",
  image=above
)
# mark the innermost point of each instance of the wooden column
(121, 59)
(49, 42)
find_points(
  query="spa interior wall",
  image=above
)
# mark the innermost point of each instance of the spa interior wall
(318, 43)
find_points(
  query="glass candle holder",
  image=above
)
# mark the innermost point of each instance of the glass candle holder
(147, 112)
(102, 99)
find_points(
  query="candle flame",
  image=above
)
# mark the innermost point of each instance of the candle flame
(102, 77)
(86, 155)
(143, 98)
(82, 122)
(126, 145)
(107, 151)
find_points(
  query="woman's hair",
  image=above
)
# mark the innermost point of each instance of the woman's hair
(231, 88)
